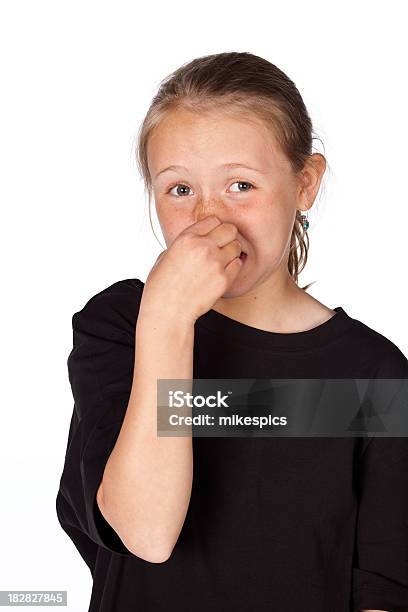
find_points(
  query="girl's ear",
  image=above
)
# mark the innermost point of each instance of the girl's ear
(310, 178)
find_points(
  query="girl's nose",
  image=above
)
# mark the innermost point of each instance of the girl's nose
(209, 206)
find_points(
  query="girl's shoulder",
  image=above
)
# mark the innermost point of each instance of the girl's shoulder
(125, 287)
(373, 345)
(115, 306)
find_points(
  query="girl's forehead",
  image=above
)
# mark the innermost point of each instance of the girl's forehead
(213, 120)
(216, 139)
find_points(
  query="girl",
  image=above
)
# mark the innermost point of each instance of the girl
(227, 523)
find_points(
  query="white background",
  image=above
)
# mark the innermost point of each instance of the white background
(77, 79)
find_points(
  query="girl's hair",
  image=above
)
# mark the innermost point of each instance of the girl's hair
(243, 83)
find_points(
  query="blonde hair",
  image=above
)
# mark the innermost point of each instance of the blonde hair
(238, 82)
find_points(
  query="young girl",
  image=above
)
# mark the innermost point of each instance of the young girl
(228, 523)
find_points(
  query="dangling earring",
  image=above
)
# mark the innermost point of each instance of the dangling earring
(305, 221)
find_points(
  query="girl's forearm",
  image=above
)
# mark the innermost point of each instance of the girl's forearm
(146, 486)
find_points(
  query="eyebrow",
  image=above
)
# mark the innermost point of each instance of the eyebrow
(227, 166)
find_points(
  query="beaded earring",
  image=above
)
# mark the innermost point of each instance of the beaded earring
(305, 221)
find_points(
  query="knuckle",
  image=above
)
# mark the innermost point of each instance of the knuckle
(232, 227)
(219, 267)
(208, 246)
(185, 237)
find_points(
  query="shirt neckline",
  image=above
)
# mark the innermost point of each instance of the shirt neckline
(227, 328)
(322, 334)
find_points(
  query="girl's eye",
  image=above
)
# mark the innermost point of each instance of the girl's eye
(243, 183)
(180, 191)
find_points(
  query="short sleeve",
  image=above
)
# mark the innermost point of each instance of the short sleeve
(380, 572)
(100, 369)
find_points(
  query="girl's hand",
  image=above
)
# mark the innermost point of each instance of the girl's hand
(194, 272)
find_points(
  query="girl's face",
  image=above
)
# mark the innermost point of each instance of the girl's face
(232, 168)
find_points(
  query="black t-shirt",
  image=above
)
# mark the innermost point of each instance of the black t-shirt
(283, 524)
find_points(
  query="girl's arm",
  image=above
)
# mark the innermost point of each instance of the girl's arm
(146, 486)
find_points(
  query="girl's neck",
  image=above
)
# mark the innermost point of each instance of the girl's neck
(277, 304)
